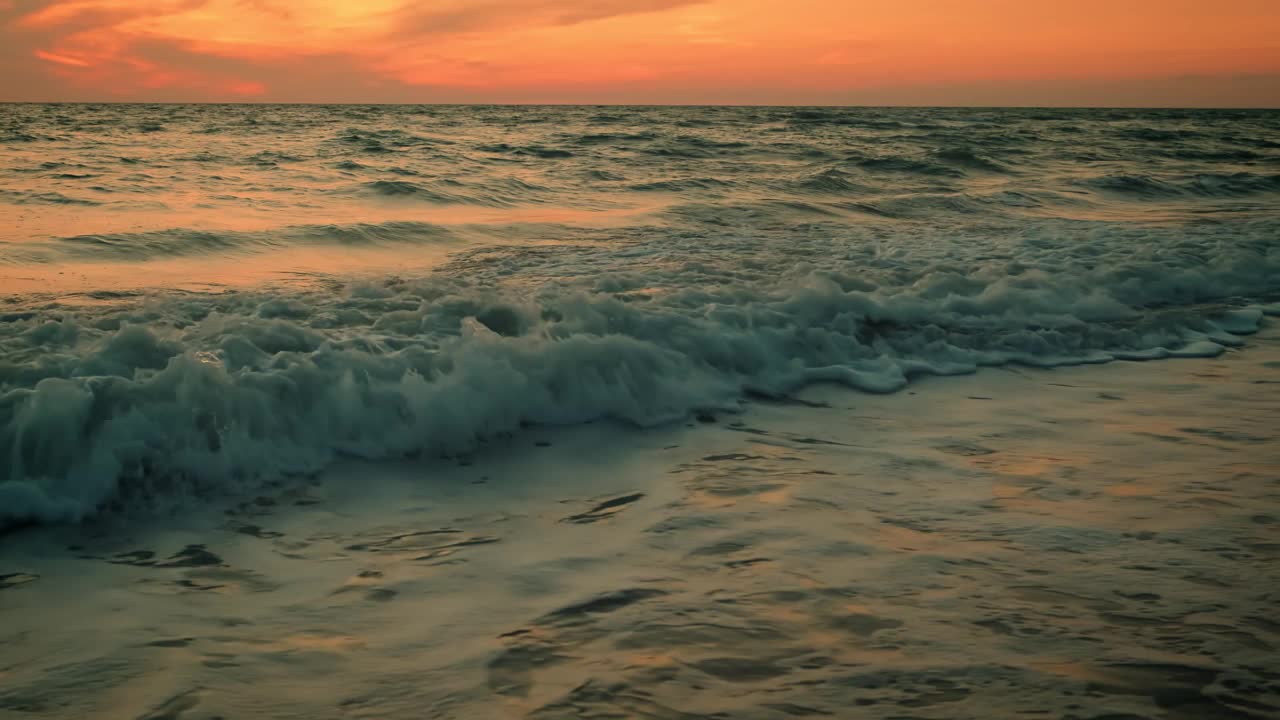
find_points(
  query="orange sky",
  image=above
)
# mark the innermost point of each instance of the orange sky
(947, 52)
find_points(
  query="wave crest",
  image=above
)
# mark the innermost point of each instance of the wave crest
(229, 392)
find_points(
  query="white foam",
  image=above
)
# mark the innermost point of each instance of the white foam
(217, 392)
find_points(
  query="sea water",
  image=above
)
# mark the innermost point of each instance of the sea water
(200, 299)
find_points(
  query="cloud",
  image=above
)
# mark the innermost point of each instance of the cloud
(71, 14)
(469, 16)
(61, 59)
(802, 51)
(244, 47)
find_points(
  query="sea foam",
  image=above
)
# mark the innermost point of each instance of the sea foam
(189, 395)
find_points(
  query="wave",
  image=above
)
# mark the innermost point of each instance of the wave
(968, 159)
(933, 205)
(185, 242)
(202, 157)
(406, 189)
(537, 151)
(1232, 184)
(681, 185)
(685, 153)
(366, 234)
(612, 138)
(272, 158)
(936, 204)
(844, 117)
(899, 164)
(150, 245)
(389, 137)
(1160, 135)
(705, 142)
(44, 170)
(217, 394)
(693, 147)
(1209, 155)
(1239, 184)
(869, 208)
(830, 180)
(380, 142)
(19, 197)
(503, 193)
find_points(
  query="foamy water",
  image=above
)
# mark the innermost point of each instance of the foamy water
(203, 299)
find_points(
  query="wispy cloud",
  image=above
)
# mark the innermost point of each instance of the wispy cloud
(470, 16)
(614, 50)
(62, 59)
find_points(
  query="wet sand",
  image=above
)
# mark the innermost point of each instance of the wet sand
(1093, 543)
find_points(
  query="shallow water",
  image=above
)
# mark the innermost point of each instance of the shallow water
(1077, 543)
(204, 299)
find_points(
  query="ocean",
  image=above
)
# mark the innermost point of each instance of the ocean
(247, 351)
(201, 298)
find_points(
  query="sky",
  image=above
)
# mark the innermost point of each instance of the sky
(1184, 53)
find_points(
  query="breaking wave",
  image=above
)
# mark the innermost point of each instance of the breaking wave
(185, 396)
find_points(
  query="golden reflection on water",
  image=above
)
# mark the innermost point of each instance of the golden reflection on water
(208, 274)
(261, 261)
(23, 224)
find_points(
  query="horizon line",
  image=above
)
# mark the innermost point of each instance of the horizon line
(648, 105)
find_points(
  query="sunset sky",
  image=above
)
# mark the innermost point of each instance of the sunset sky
(882, 52)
